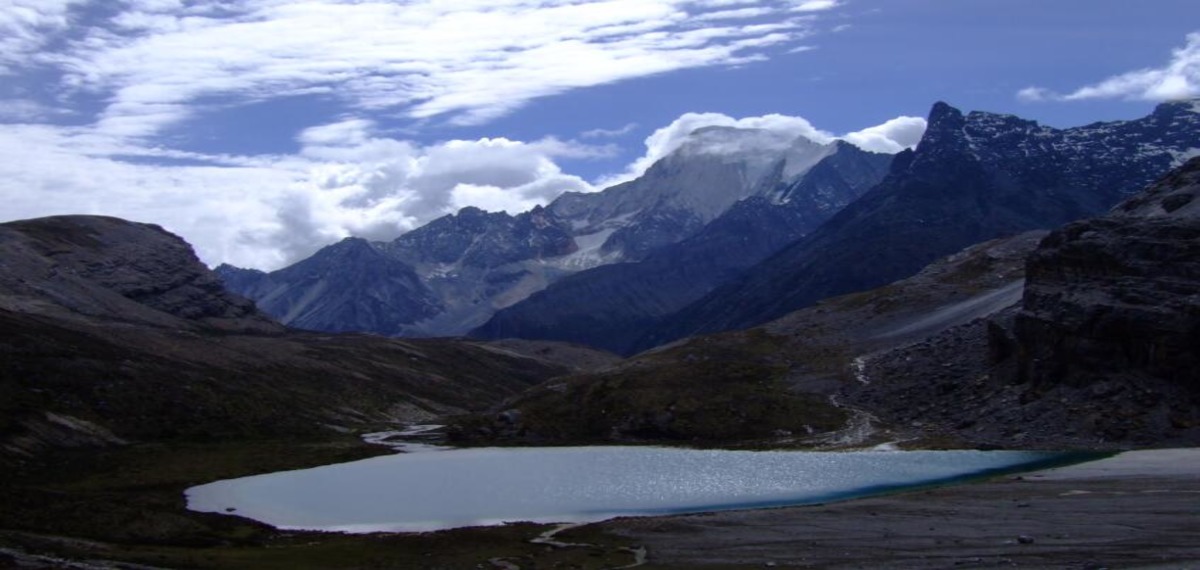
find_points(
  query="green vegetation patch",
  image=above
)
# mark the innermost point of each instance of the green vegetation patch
(703, 393)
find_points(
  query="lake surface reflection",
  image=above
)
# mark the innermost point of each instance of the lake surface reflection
(466, 487)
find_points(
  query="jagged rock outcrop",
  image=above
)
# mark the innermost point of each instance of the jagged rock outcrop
(973, 177)
(108, 268)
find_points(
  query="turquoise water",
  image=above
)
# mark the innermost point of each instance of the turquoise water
(468, 487)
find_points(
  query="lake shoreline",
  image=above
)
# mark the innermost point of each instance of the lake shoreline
(1134, 510)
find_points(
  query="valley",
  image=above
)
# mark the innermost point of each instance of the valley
(1059, 314)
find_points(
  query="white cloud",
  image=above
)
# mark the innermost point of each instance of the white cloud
(890, 137)
(26, 110)
(268, 211)
(1178, 79)
(378, 188)
(816, 5)
(468, 62)
(608, 133)
(27, 25)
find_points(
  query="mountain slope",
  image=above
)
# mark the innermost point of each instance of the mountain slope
(113, 332)
(972, 178)
(610, 306)
(348, 286)
(775, 385)
(1100, 351)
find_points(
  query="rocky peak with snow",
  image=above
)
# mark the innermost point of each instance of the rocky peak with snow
(710, 171)
(473, 237)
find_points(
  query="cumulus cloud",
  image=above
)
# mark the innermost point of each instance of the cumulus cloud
(377, 188)
(269, 211)
(1178, 79)
(890, 137)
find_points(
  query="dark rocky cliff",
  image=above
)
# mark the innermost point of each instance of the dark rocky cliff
(1113, 305)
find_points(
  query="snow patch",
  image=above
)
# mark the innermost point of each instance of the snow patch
(589, 253)
(1180, 157)
(859, 366)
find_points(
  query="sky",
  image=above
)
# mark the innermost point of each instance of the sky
(262, 130)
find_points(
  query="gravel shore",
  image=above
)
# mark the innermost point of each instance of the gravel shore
(1139, 509)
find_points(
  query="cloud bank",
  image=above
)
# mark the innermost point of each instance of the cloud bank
(1178, 79)
(890, 137)
(155, 61)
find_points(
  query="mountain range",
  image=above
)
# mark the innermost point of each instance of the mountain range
(451, 275)
(732, 229)
(973, 177)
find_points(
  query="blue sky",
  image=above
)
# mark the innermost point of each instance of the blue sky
(261, 130)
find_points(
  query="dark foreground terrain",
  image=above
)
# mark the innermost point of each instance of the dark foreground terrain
(1135, 510)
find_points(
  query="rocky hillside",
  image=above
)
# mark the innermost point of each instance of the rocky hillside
(1113, 307)
(114, 333)
(93, 267)
(973, 177)
(1100, 352)
(777, 385)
